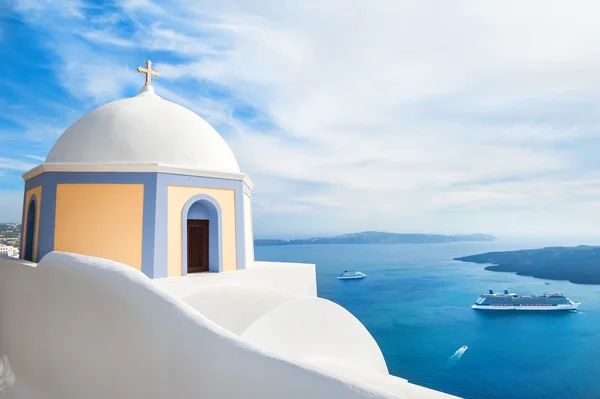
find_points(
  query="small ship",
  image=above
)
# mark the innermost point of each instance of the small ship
(506, 301)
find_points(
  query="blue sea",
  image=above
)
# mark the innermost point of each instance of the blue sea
(416, 303)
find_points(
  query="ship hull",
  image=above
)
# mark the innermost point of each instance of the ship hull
(520, 308)
(350, 278)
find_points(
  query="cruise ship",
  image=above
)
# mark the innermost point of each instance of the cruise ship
(506, 301)
(351, 275)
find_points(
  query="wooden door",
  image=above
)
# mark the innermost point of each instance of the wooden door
(197, 246)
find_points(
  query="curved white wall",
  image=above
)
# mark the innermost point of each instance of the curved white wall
(295, 279)
(81, 327)
(311, 328)
(234, 308)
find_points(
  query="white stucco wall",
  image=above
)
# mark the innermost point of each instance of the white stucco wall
(312, 328)
(81, 327)
(234, 308)
(295, 279)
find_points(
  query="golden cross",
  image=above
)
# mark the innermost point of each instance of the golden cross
(148, 71)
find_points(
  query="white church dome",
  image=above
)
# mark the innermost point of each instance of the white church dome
(144, 129)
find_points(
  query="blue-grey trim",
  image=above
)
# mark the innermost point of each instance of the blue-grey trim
(149, 225)
(166, 179)
(32, 183)
(161, 261)
(198, 212)
(49, 181)
(170, 179)
(215, 260)
(47, 219)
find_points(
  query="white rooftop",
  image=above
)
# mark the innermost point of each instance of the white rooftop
(144, 129)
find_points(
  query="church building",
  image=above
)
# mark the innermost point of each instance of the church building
(144, 182)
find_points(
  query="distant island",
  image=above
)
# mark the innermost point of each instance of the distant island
(580, 265)
(376, 237)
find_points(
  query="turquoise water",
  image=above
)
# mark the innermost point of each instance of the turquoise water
(416, 303)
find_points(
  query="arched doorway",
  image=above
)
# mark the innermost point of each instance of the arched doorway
(201, 238)
(30, 230)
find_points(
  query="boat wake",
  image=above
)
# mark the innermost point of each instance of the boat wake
(458, 354)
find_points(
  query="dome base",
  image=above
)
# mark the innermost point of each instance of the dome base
(133, 167)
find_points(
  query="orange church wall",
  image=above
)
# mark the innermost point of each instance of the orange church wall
(177, 198)
(37, 191)
(103, 220)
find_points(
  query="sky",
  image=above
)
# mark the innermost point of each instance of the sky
(403, 116)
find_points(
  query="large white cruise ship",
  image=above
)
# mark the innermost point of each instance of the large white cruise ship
(506, 301)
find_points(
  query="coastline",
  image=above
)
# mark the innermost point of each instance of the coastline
(578, 265)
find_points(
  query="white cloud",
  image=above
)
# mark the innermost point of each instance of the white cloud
(15, 164)
(99, 81)
(108, 38)
(398, 115)
(36, 157)
(38, 8)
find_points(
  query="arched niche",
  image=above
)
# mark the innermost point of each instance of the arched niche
(30, 233)
(201, 232)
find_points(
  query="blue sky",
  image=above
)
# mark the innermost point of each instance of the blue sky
(405, 116)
